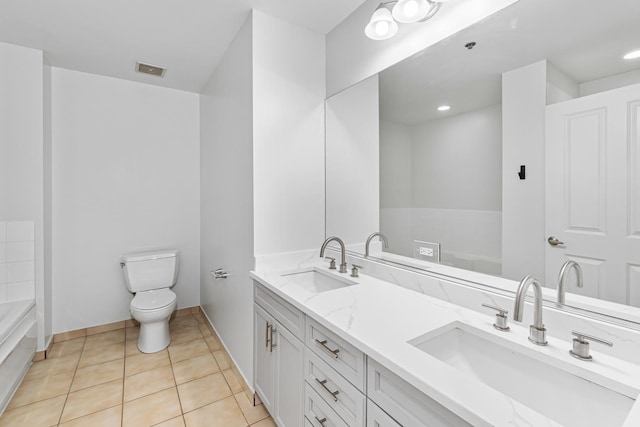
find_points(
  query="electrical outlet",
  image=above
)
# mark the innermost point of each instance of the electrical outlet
(426, 251)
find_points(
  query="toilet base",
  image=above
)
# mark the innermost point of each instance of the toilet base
(154, 336)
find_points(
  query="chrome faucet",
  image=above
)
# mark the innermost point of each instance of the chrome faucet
(537, 332)
(343, 262)
(563, 274)
(382, 237)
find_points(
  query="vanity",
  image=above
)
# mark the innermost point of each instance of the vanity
(336, 350)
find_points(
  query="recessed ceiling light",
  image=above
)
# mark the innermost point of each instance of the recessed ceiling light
(632, 55)
(150, 69)
(444, 108)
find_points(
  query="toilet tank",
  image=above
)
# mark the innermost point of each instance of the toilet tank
(146, 271)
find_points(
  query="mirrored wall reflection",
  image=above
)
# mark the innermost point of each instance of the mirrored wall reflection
(454, 176)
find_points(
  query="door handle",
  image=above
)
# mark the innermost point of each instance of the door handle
(553, 241)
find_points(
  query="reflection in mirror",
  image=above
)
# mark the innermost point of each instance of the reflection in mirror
(540, 142)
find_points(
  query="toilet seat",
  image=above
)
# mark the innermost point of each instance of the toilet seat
(153, 300)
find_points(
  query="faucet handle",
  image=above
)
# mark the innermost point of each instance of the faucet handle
(332, 262)
(581, 345)
(354, 270)
(501, 317)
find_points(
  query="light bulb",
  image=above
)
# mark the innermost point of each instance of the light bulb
(632, 55)
(409, 11)
(410, 8)
(382, 28)
(444, 108)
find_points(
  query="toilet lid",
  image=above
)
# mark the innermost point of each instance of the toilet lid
(152, 300)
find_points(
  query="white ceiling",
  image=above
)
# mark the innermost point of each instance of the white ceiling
(584, 38)
(188, 37)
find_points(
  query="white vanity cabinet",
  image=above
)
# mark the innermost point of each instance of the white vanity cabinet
(404, 403)
(376, 417)
(278, 358)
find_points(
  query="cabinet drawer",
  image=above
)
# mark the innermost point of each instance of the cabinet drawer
(338, 393)
(318, 413)
(285, 313)
(376, 417)
(405, 403)
(337, 353)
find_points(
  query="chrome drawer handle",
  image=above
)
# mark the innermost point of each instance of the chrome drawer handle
(333, 394)
(323, 345)
(271, 343)
(321, 421)
(267, 335)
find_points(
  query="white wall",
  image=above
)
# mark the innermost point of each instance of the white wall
(523, 117)
(352, 162)
(226, 179)
(288, 146)
(21, 153)
(352, 57)
(454, 184)
(125, 179)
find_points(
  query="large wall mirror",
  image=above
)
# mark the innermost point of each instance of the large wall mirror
(543, 85)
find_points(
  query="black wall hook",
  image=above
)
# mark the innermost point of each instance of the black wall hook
(522, 173)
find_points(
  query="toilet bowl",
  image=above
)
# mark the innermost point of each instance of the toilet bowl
(150, 275)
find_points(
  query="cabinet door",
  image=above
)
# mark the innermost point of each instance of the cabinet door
(264, 380)
(289, 354)
(376, 417)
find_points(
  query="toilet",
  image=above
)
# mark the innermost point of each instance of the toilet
(150, 275)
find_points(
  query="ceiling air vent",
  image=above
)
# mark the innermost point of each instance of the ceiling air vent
(150, 69)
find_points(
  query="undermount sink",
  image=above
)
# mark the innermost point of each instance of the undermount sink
(520, 374)
(317, 281)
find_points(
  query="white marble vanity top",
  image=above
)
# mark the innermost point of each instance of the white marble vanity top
(380, 318)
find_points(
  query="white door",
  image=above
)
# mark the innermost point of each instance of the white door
(592, 168)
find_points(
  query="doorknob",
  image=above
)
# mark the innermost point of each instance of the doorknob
(553, 241)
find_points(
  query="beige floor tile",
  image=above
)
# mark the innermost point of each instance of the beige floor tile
(222, 360)
(187, 350)
(111, 417)
(252, 414)
(132, 333)
(65, 336)
(152, 409)
(65, 348)
(203, 391)
(173, 422)
(267, 422)
(43, 413)
(148, 382)
(200, 318)
(213, 343)
(145, 362)
(205, 330)
(101, 355)
(198, 367)
(92, 399)
(37, 389)
(186, 334)
(187, 320)
(234, 383)
(105, 328)
(104, 338)
(98, 374)
(131, 348)
(223, 413)
(54, 366)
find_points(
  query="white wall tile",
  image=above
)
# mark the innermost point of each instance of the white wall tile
(3, 292)
(20, 290)
(3, 231)
(19, 251)
(3, 273)
(3, 252)
(20, 231)
(20, 271)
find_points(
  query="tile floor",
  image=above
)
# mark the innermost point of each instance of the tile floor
(104, 380)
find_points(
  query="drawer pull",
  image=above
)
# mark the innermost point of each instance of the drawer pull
(321, 421)
(267, 335)
(271, 343)
(333, 394)
(323, 345)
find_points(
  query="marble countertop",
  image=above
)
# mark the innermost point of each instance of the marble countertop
(381, 318)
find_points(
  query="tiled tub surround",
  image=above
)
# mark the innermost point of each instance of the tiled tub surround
(379, 318)
(17, 261)
(97, 376)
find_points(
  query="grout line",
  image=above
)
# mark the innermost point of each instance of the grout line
(71, 383)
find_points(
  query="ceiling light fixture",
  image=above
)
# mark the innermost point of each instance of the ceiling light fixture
(384, 21)
(632, 55)
(444, 108)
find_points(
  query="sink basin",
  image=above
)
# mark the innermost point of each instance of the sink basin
(317, 281)
(519, 373)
